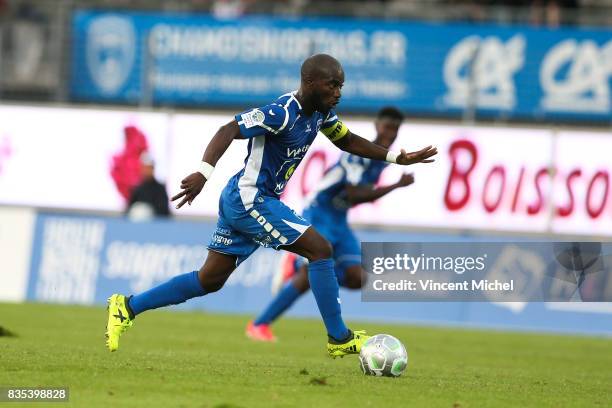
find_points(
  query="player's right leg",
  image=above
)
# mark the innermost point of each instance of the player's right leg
(210, 278)
(324, 285)
(350, 274)
(270, 222)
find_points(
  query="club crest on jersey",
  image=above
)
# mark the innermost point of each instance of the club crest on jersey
(253, 118)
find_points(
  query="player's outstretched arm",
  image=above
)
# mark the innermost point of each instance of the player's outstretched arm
(361, 194)
(193, 183)
(359, 146)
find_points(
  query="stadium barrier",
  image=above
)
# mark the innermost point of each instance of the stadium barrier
(16, 238)
(82, 260)
(510, 179)
(431, 69)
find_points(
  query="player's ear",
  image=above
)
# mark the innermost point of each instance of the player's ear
(309, 81)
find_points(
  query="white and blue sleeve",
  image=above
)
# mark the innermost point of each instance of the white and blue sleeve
(267, 119)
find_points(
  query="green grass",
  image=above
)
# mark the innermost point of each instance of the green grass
(181, 359)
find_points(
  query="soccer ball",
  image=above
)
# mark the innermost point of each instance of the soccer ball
(383, 355)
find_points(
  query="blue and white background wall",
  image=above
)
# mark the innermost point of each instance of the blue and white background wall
(432, 69)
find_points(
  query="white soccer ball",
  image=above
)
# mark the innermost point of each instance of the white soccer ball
(383, 355)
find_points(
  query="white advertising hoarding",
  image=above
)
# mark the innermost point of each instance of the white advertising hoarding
(583, 198)
(191, 134)
(492, 178)
(488, 178)
(75, 158)
(482, 178)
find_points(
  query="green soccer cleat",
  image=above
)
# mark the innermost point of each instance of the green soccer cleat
(351, 346)
(119, 320)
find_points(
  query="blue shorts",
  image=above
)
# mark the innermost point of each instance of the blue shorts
(335, 228)
(240, 231)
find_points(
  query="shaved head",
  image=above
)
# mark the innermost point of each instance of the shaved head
(322, 81)
(320, 66)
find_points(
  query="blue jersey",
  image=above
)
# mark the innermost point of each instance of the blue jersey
(279, 136)
(330, 193)
(250, 213)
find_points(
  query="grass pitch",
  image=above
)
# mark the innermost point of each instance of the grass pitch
(185, 359)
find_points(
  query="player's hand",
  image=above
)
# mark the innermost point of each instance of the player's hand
(405, 180)
(191, 186)
(422, 156)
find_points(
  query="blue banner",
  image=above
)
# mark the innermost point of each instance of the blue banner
(84, 260)
(516, 72)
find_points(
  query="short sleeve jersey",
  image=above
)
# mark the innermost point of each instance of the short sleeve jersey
(279, 136)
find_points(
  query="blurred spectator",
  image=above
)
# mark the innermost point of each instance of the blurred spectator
(552, 13)
(29, 44)
(149, 199)
(28, 37)
(227, 9)
(125, 167)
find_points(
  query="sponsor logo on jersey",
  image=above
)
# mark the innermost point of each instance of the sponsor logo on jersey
(290, 171)
(218, 239)
(297, 152)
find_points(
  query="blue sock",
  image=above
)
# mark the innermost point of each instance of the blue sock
(283, 301)
(324, 285)
(172, 292)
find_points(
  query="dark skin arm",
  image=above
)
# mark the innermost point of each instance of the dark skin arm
(360, 194)
(193, 183)
(359, 146)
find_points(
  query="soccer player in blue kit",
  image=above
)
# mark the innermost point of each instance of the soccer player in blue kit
(349, 182)
(250, 212)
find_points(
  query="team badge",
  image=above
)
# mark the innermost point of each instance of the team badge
(253, 118)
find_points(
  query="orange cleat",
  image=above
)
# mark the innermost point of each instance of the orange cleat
(260, 332)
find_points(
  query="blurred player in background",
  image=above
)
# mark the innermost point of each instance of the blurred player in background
(349, 182)
(250, 212)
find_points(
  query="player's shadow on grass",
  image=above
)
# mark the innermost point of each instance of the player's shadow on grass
(6, 332)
